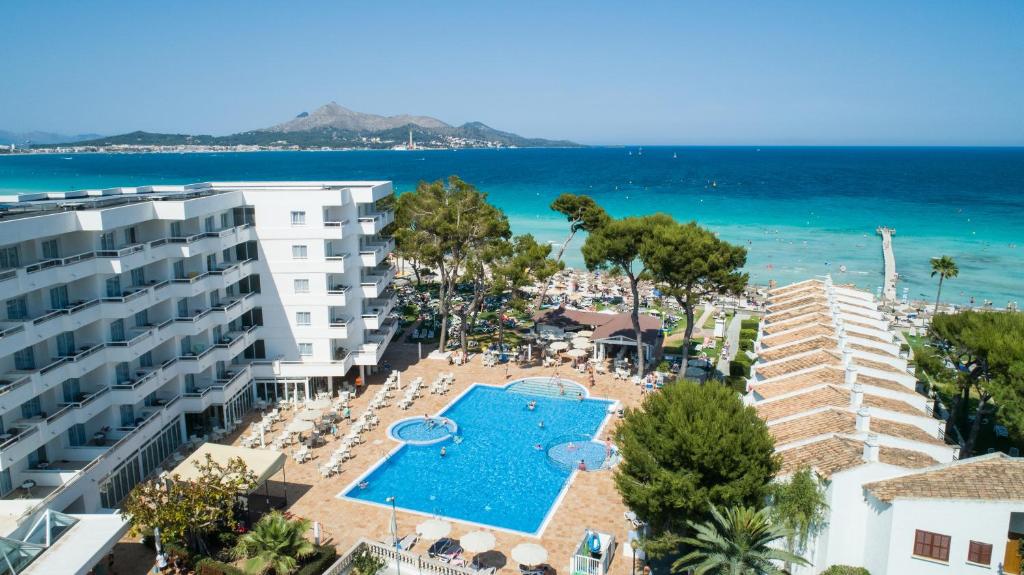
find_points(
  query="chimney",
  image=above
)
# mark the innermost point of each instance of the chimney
(841, 339)
(851, 376)
(863, 420)
(828, 280)
(847, 358)
(871, 448)
(857, 396)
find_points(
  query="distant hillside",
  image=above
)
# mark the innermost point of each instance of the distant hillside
(334, 126)
(29, 138)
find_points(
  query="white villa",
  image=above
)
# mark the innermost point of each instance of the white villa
(135, 319)
(837, 396)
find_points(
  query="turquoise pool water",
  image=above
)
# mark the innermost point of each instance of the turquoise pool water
(493, 474)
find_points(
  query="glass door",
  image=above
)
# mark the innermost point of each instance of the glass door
(71, 388)
(66, 344)
(117, 330)
(59, 297)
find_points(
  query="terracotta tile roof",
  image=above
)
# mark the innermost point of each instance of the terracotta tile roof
(994, 477)
(800, 346)
(806, 284)
(847, 311)
(884, 383)
(871, 349)
(778, 322)
(795, 364)
(796, 302)
(796, 296)
(835, 454)
(791, 383)
(880, 366)
(830, 396)
(867, 336)
(844, 422)
(797, 334)
(821, 423)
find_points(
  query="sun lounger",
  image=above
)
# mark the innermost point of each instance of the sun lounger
(633, 519)
(406, 543)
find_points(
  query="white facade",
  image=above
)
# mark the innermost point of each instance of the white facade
(134, 318)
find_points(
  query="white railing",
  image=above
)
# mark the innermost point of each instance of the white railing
(420, 563)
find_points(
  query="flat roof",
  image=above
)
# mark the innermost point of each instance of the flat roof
(81, 547)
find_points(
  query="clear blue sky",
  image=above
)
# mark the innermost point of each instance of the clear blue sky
(719, 72)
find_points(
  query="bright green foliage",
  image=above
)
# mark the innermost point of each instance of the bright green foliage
(799, 505)
(750, 323)
(188, 511)
(365, 563)
(945, 268)
(618, 245)
(737, 541)
(526, 262)
(845, 570)
(275, 545)
(689, 263)
(689, 447)
(445, 225)
(987, 349)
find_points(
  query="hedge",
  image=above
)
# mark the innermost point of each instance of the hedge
(209, 566)
(750, 323)
(845, 570)
(746, 345)
(737, 383)
(750, 334)
(739, 369)
(325, 556)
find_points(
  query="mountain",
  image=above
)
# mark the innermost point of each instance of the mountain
(20, 138)
(339, 117)
(334, 126)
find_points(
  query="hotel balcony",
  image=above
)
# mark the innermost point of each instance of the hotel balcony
(373, 222)
(376, 310)
(339, 322)
(337, 290)
(216, 391)
(372, 253)
(371, 352)
(376, 280)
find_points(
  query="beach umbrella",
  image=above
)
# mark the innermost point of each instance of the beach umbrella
(300, 426)
(585, 333)
(477, 541)
(529, 554)
(559, 346)
(309, 415)
(434, 529)
(577, 353)
(581, 342)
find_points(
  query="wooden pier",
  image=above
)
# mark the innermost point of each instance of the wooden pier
(889, 287)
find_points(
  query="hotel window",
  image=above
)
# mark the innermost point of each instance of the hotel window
(931, 545)
(225, 221)
(980, 553)
(303, 318)
(301, 286)
(50, 251)
(298, 218)
(9, 258)
(305, 349)
(17, 308)
(299, 252)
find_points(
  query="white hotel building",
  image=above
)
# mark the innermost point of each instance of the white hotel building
(136, 318)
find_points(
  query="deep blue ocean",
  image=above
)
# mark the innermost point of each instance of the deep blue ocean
(800, 211)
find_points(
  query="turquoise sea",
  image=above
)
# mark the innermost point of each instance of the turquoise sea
(799, 211)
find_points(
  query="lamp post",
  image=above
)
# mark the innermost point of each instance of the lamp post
(394, 535)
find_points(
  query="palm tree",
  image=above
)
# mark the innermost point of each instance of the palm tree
(737, 541)
(945, 268)
(274, 545)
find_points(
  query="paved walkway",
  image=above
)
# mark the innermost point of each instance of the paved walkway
(889, 287)
(732, 339)
(698, 328)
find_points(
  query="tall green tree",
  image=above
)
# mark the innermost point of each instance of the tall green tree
(689, 447)
(617, 245)
(527, 262)
(583, 214)
(275, 545)
(187, 511)
(446, 224)
(688, 263)
(799, 504)
(736, 541)
(945, 268)
(986, 349)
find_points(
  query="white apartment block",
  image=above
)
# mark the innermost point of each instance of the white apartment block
(134, 319)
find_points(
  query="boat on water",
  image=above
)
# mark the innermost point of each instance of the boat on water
(674, 155)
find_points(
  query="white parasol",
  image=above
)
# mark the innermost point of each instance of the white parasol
(318, 404)
(576, 353)
(300, 426)
(434, 529)
(585, 333)
(477, 541)
(529, 554)
(559, 346)
(581, 342)
(309, 415)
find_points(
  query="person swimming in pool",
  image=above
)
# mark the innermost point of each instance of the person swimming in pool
(444, 452)
(541, 424)
(579, 396)
(538, 447)
(531, 405)
(364, 484)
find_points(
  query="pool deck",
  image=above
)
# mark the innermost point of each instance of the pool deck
(591, 500)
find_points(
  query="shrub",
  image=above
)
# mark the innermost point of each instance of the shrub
(737, 383)
(739, 369)
(325, 556)
(750, 334)
(746, 345)
(208, 566)
(845, 570)
(905, 348)
(750, 323)
(366, 563)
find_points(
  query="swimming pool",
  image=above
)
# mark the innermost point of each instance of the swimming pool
(492, 473)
